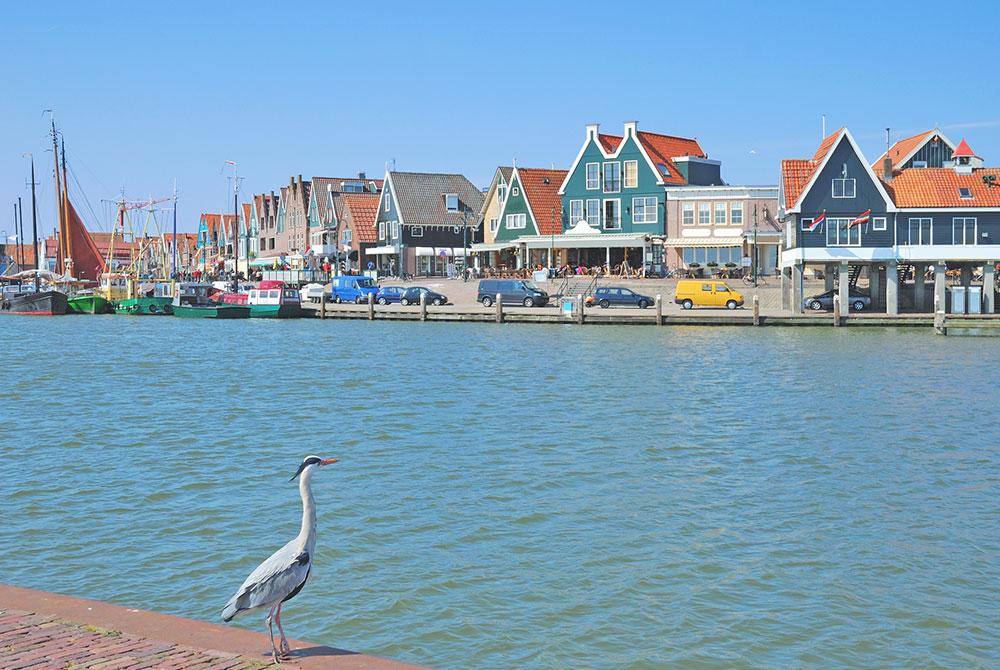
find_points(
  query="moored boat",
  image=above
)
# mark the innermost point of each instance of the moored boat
(88, 302)
(41, 303)
(192, 301)
(269, 300)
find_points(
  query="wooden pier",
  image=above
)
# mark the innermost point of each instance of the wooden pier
(47, 631)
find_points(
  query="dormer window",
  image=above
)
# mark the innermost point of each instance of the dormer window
(664, 170)
(919, 164)
(502, 193)
(965, 193)
(451, 202)
(843, 188)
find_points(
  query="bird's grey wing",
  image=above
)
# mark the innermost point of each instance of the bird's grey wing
(271, 581)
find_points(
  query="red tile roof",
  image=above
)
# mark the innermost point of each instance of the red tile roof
(938, 187)
(796, 172)
(541, 188)
(364, 210)
(903, 148)
(661, 149)
(963, 149)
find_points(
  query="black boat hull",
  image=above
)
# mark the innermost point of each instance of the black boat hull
(44, 303)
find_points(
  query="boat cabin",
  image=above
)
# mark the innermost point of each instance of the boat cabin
(194, 295)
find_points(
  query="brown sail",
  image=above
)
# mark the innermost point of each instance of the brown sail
(87, 260)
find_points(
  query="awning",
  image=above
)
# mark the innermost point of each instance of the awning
(735, 241)
(585, 241)
(439, 251)
(266, 262)
(494, 246)
(387, 250)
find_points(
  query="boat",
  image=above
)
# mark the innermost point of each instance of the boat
(191, 301)
(30, 301)
(88, 302)
(153, 299)
(269, 300)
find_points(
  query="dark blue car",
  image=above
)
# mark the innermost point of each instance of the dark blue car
(389, 294)
(606, 296)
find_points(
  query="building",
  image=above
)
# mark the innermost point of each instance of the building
(721, 226)
(293, 234)
(531, 216)
(929, 208)
(488, 253)
(326, 210)
(214, 233)
(426, 222)
(358, 231)
(264, 214)
(614, 199)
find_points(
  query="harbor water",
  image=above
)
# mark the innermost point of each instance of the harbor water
(521, 496)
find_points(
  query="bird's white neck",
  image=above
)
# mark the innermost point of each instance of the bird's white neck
(307, 534)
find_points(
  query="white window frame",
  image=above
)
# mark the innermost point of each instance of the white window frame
(880, 223)
(597, 212)
(514, 192)
(395, 230)
(844, 182)
(734, 208)
(575, 214)
(635, 174)
(965, 222)
(381, 230)
(918, 221)
(596, 184)
(604, 177)
(385, 203)
(687, 208)
(706, 209)
(844, 232)
(645, 201)
(447, 202)
(416, 231)
(494, 223)
(805, 225)
(501, 193)
(715, 214)
(604, 213)
(517, 221)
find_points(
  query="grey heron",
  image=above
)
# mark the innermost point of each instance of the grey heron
(283, 575)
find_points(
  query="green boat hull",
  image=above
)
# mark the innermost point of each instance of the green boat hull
(212, 312)
(144, 306)
(88, 304)
(275, 311)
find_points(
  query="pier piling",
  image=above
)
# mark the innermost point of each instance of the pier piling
(499, 305)
(836, 309)
(423, 306)
(322, 305)
(939, 325)
(756, 309)
(371, 306)
(659, 309)
(580, 308)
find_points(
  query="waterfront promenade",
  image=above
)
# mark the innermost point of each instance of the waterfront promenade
(40, 630)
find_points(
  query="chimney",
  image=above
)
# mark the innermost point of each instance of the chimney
(631, 127)
(592, 130)
(887, 161)
(291, 183)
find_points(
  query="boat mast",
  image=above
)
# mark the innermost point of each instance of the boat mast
(68, 257)
(173, 269)
(34, 222)
(60, 252)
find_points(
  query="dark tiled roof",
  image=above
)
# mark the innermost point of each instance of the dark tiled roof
(421, 201)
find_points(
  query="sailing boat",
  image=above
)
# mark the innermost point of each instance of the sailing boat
(31, 299)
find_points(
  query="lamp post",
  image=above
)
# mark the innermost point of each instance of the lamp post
(754, 270)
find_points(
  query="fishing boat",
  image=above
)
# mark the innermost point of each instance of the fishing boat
(30, 301)
(269, 300)
(88, 302)
(192, 301)
(150, 299)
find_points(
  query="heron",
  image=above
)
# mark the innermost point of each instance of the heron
(285, 572)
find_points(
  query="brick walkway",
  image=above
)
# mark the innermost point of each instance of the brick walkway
(43, 631)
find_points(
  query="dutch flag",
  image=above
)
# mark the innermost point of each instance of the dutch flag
(861, 218)
(817, 222)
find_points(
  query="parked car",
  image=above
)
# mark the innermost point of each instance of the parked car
(859, 301)
(312, 292)
(606, 296)
(706, 293)
(411, 296)
(512, 292)
(389, 294)
(352, 289)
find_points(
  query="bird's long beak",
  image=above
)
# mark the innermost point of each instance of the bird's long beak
(328, 461)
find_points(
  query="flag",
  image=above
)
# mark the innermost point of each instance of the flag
(230, 162)
(863, 217)
(817, 222)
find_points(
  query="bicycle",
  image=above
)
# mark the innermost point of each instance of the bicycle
(749, 280)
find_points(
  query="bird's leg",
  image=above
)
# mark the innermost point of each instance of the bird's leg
(270, 630)
(286, 649)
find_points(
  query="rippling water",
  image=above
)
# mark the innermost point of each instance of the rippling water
(521, 496)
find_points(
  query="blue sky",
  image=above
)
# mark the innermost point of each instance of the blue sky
(151, 92)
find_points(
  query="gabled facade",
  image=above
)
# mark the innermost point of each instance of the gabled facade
(532, 214)
(358, 231)
(426, 222)
(927, 149)
(325, 206)
(839, 215)
(293, 229)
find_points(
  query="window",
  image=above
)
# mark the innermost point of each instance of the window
(644, 210)
(517, 221)
(965, 193)
(575, 211)
(879, 223)
(593, 176)
(843, 188)
(395, 230)
(963, 230)
(706, 287)
(919, 230)
(612, 177)
(385, 203)
(594, 213)
(381, 230)
(501, 193)
(736, 213)
(805, 225)
(493, 225)
(515, 192)
(664, 170)
(704, 214)
(451, 202)
(687, 213)
(612, 214)
(919, 164)
(416, 231)
(839, 233)
(720, 213)
(631, 174)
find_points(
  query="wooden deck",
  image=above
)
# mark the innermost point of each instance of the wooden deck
(46, 631)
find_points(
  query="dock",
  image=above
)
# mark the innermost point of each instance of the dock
(47, 631)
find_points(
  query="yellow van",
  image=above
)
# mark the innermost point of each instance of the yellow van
(706, 293)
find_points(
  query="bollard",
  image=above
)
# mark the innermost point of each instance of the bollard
(939, 326)
(756, 309)
(579, 314)
(836, 309)
(371, 306)
(659, 310)
(423, 306)
(499, 306)
(322, 305)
